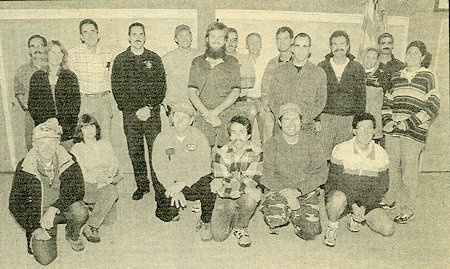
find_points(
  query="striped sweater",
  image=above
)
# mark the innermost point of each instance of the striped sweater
(413, 100)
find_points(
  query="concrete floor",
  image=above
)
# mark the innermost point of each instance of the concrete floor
(139, 240)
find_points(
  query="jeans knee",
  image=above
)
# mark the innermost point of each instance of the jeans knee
(45, 260)
(219, 236)
(79, 211)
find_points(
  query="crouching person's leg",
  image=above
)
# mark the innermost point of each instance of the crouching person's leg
(306, 220)
(164, 210)
(76, 216)
(43, 246)
(222, 218)
(379, 222)
(275, 211)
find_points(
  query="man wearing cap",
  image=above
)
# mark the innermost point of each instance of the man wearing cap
(139, 86)
(214, 86)
(182, 161)
(36, 45)
(294, 169)
(91, 62)
(301, 81)
(48, 190)
(177, 64)
(237, 168)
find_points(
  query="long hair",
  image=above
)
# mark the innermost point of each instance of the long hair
(64, 63)
(423, 49)
(84, 120)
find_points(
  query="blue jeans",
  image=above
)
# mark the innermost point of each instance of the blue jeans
(231, 213)
(45, 251)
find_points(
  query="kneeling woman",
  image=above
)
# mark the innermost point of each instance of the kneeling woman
(100, 168)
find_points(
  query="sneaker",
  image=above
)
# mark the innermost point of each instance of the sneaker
(330, 236)
(196, 206)
(353, 225)
(138, 194)
(404, 218)
(387, 206)
(205, 230)
(243, 237)
(91, 234)
(76, 244)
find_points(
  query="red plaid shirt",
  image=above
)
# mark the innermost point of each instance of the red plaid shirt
(237, 172)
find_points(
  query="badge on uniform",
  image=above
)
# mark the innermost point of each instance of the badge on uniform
(191, 147)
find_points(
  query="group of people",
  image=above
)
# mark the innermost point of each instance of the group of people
(222, 128)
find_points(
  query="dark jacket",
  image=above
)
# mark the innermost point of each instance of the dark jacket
(66, 106)
(25, 200)
(348, 96)
(138, 80)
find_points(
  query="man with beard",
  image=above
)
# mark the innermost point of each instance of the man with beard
(36, 46)
(300, 81)
(388, 63)
(285, 38)
(294, 169)
(214, 85)
(237, 168)
(91, 62)
(139, 86)
(346, 92)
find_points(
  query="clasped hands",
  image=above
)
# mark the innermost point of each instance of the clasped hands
(174, 191)
(291, 196)
(390, 126)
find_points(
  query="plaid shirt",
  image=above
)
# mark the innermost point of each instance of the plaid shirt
(93, 69)
(237, 172)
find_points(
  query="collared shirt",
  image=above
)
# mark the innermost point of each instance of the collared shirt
(92, 69)
(248, 167)
(22, 79)
(259, 66)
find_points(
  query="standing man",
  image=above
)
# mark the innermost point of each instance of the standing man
(48, 190)
(139, 86)
(36, 46)
(254, 45)
(177, 64)
(388, 63)
(294, 169)
(237, 169)
(182, 161)
(299, 81)
(91, 62)
(357, 181)
(285, 38)
(346, 92)
(214, 85)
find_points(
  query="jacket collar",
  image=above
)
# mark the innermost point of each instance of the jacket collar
(29, 164)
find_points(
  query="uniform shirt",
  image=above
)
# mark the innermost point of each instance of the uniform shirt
(92, 69)
(177, 158)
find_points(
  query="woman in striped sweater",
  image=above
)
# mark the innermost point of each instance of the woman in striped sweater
(408, 109)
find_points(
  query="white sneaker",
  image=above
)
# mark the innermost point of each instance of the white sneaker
(243, 237)
(353, 225)
(330, 236)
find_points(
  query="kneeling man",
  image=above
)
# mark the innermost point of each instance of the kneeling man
(237, 168)
(357, 181)
(294, 169)
(48, 190)
(181, 158)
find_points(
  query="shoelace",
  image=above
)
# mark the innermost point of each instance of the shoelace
(240, 233)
